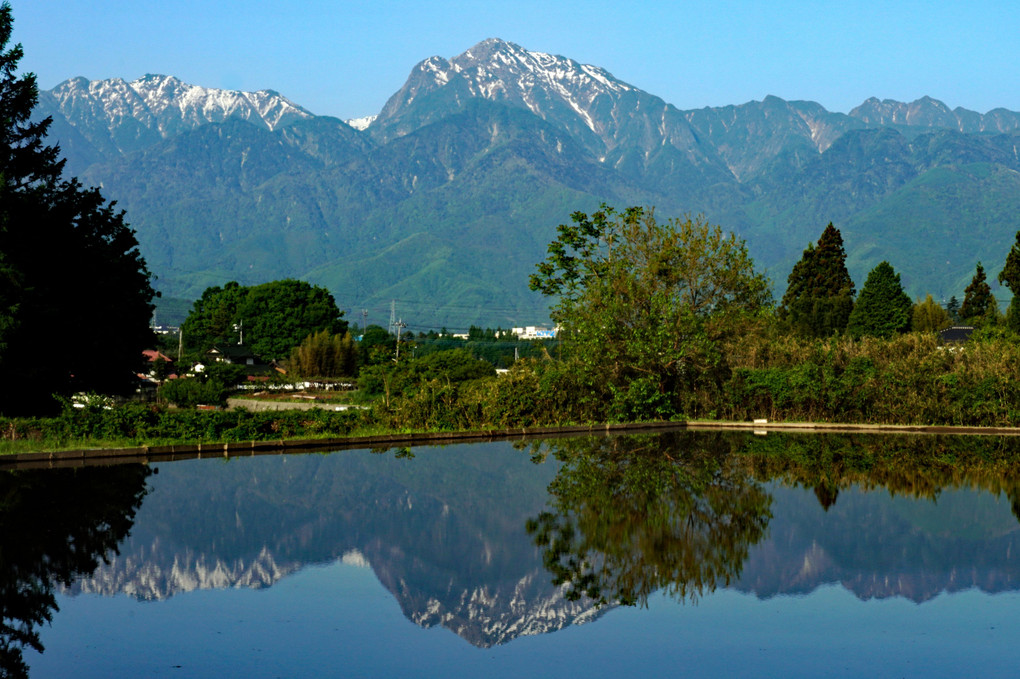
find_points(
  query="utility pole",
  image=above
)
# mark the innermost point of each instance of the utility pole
(393, 314)
(399, 325)
(364, 320)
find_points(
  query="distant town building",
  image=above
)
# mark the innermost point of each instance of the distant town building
(532, 332)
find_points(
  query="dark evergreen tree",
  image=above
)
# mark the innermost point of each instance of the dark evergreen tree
(1010, 277)
(953, 309)
(69, 266)
(978, 303)
(820, 293)
(882, 309)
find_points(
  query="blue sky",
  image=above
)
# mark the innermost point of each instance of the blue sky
(346, 58)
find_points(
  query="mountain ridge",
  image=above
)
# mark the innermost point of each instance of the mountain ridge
(448, 197)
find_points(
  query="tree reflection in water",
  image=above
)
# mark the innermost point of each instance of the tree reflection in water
(680, 511)
(632, 515)
(55, 525)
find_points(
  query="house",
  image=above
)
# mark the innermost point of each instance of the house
(154, 373)
(958, 334)
(236, 354)
(255, 369)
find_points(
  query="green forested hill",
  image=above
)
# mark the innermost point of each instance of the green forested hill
(447, 201)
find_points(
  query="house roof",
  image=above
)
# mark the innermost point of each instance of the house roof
(235, 351)
(957, 333)
(154, 354)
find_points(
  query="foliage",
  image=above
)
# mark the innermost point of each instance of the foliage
(635, 514)
(882, 309)
(376, 346)
(643, 300)
(908, 379)
(137, 424)
(273, 317)
(502, 353)
(929, 316)
(953, 309)
(324, 355)
(394, 379)
(210, 387)
(978, 304)
(1010, 277)
(56, 525)
(67, 261)
(188, 392)
(819, 294)
(1010, 274)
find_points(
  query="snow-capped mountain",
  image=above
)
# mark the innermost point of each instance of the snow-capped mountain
(608, 116)
(488, 150)
(361, 123)
(116, 116)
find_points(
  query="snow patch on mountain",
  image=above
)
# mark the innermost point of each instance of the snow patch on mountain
(361, 123)
(165, 105)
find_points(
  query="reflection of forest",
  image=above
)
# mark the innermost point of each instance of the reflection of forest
(636, 514)
(55, 526)
(687, 512)
(479, 540)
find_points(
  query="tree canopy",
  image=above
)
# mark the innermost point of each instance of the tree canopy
(643, 305)
(69, 266)
(820, 293)
(929, 316)
(883, 309)
(271, 318)
(1010, 277)
(324, 355)
(978, 302)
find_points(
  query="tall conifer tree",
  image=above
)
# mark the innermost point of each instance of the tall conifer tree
(69, 266)
(1010, 277)
(820, 293)
(883, 309)
(978, 303)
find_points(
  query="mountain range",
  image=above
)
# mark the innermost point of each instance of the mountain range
(446, 199)
(445, 533)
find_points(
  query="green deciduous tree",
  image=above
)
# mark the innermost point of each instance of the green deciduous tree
(929, 316)
(69, 265)
(272, 317)
(820, 293)
(882, 309)
(645, 305)
(978, 303)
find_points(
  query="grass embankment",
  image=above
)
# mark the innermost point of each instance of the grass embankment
(137, 425)
(908, 380)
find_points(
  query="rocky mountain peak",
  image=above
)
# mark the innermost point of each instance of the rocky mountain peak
(930, 113)
(557, 89)
(116, 116)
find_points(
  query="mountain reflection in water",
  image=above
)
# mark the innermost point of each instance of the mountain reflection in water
(495, 541)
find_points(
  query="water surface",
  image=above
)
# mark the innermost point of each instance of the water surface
(693, 554)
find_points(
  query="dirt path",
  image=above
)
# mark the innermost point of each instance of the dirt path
(258, 404)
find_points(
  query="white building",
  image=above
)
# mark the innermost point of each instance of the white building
(532, 332)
